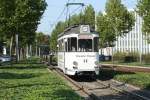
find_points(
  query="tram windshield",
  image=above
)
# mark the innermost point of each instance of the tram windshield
(85, 45)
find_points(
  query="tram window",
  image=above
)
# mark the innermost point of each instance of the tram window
(85, 45)
(66, 45)
(96, 40)
(72, 44)
(58, 45)
(61, 46)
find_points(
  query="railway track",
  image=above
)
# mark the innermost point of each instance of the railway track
(99, 90)
(78, 86)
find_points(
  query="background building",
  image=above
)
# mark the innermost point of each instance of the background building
(133, 41)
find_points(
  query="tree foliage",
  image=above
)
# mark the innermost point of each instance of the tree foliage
(53, 39)
(107, 35)
(116, 21)
(7, 10)
(27, 16)
(144, 11)
(122, 20)
(89, 16)
(42, 39)
(20, 17)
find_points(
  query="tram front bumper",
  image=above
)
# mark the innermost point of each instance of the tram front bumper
(82, 71)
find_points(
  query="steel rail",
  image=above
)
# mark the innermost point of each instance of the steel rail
(123, 91)
(76, 84)
(92, 95)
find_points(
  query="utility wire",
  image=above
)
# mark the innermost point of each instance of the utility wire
(58, 17)
(75, 10)
(63, 11)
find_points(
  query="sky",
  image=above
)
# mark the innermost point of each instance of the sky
(55, 8)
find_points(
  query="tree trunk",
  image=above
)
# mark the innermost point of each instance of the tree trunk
(27, 51)
(30, 50)
(17, 48)
(39, 52)
(21, 54)
(10, 48)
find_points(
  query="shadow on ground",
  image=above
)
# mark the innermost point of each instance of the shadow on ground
(29, 66)
(62, 94)
(23, 85)
(8, 75)
(83, 78)
(105, 75)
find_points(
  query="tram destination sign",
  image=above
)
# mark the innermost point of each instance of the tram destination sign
(85, 36)
(85, 55)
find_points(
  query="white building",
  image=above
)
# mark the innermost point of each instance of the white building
(133, 41)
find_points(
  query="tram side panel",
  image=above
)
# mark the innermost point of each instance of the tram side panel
(76, 62)
(61, 61)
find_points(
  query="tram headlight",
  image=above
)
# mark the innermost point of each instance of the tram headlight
(96, 63)
(75, 63)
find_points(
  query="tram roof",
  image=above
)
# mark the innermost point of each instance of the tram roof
(77, 29)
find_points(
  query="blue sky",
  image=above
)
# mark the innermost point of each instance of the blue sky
(55, 7)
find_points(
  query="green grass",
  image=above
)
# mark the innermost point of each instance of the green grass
(139, 79)
(33, 82)
(129, 64)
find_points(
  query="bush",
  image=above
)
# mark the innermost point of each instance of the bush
(30, 60)
(126, 57)
(146, 58)
(54, 59)
(119, 56)
(132, 57)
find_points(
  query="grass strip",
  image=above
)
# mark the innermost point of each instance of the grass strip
(33, 82)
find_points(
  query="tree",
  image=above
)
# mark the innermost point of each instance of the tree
(121, 19)
(75, 19)
(89, 16)
(116, 21)
(144, 11)
(54, 35)
(107, 35)
(42, 39)
(7, 10)
(42, 43)
(20, 17)
(27, 16)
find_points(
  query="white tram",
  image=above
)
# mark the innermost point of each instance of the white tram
(78, 51)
